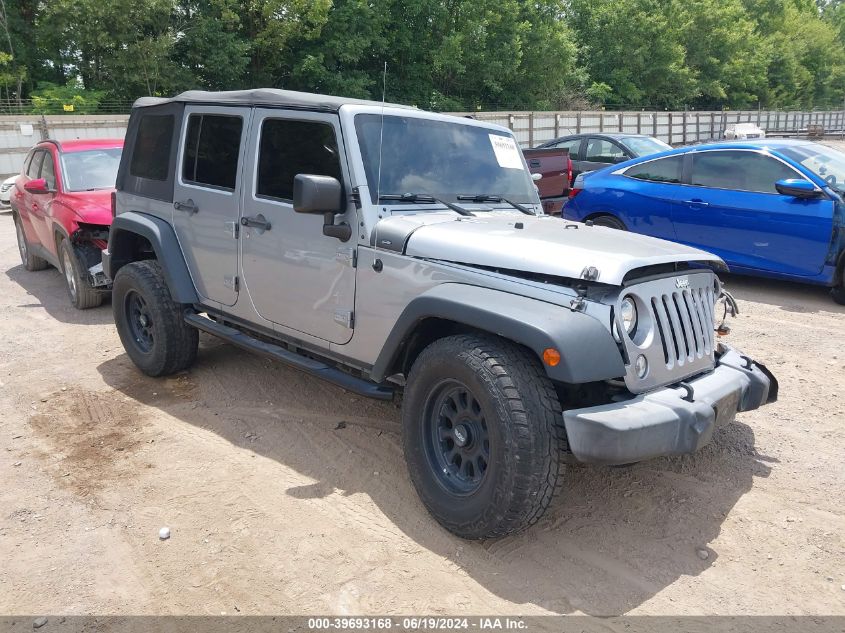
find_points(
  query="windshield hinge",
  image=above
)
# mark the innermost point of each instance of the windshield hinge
(355, 197)
(347, 256)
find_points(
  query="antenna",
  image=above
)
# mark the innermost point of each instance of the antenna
(381, 134)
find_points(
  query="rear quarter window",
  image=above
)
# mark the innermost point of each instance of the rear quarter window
(151, 154)
(661, 170)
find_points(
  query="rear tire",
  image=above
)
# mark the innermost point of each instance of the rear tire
(482, 432)
(29, 261)
(610, 222)
(81, 294)
(150, 323)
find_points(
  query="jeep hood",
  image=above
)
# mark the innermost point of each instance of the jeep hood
(544, 245)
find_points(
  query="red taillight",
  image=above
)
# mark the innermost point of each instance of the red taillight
(574, 192)
(568, 169)
(113, 204)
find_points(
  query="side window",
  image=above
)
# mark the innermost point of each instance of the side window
(661, 170)
(289, 148)
(35, 165)
(740, 171)
(27, 162)
(572, 145)
(602, 151)
(151, 155)
(212, 147)
(48, 171)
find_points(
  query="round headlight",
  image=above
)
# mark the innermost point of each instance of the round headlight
(628, 314)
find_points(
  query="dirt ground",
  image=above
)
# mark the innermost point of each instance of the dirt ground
(276, 507)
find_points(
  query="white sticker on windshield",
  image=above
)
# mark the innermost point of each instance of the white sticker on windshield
(507, 153)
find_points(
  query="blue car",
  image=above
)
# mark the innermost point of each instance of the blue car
(770, 207)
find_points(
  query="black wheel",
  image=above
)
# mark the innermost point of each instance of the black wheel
(150, 324)
(483, 433)
(29, 261)
(81, 294)
(610, 222)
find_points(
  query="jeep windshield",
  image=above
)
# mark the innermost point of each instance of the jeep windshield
(440, 159)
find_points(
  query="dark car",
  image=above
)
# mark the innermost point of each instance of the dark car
(595, 151)
(770, 207)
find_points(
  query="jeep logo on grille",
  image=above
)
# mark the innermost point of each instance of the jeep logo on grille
(682, 282)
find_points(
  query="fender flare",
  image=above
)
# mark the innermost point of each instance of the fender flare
(588, 351)
(162, 238)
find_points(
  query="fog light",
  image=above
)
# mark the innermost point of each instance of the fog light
(641, 366)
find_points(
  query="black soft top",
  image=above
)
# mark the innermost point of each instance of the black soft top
(269, 97)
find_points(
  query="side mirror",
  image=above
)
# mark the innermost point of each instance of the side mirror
(38, 185)
(316, 194)
(798, 188)
(536, 177)
(321, 195)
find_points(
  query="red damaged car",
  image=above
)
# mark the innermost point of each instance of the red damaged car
(62, 210)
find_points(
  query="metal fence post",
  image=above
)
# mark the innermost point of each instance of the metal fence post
(671, 125)
(43, 129)
(557, 125)
(639, 122)
(531, 129)
(654, 124)
(578, 122)
(601, 120)
(684, 125)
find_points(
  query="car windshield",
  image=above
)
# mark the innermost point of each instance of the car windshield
(645, 145)
(441, 159)
(823, 161)
(91, 169)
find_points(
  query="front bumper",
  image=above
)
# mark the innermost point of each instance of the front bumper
(671, 420)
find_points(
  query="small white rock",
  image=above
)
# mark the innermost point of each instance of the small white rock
(164, 533)
(702, 553)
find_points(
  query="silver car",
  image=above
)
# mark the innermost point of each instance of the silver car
(396, 252)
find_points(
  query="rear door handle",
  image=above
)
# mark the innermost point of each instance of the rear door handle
(189, 206)
(258, 222)
(697, 202)
(533, 163)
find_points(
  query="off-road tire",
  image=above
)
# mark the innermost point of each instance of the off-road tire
(160, 343)
(30, 262)
(610, 222)
(82, 295)
(525, 427)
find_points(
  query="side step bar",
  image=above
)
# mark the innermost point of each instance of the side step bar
(276, 352)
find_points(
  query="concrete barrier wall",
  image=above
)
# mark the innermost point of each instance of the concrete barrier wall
(18, 133)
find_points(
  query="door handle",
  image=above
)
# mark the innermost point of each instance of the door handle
(697, 203)
(258, 222)
(188, 206)
(533, 163)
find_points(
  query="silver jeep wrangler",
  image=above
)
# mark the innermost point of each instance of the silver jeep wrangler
(393, 251)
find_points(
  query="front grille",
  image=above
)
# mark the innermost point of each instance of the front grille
(675, 331)
(685, 324)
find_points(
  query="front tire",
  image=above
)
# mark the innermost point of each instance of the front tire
(30, 262)
(81, 294)
(150, 323)
(482, 433)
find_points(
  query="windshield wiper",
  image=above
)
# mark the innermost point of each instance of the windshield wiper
(423, 197)
(488, 198)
